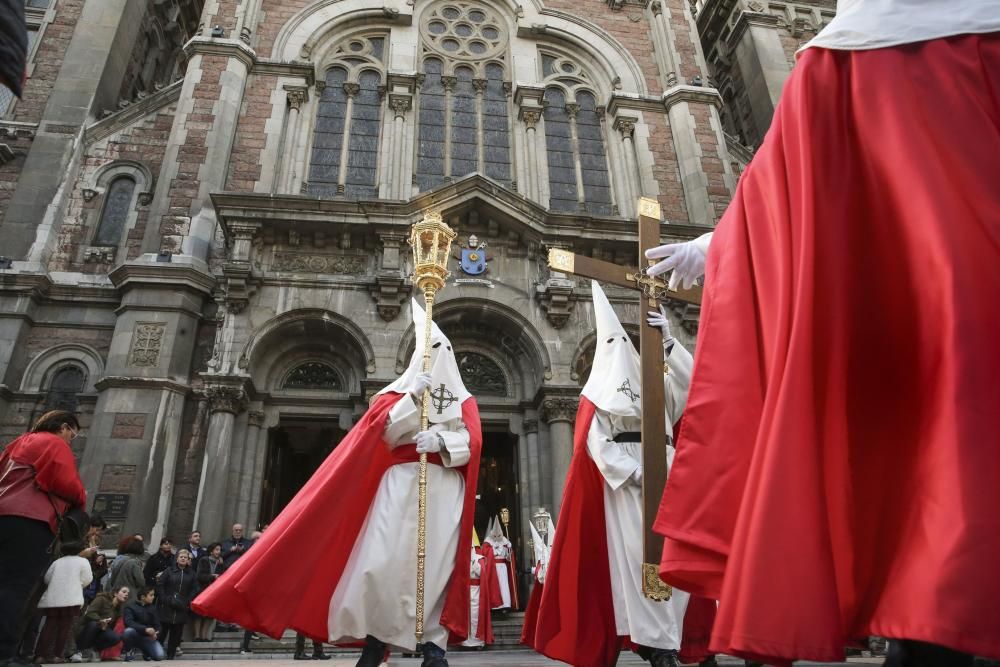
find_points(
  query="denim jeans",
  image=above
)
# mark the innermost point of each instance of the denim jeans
(150, 648)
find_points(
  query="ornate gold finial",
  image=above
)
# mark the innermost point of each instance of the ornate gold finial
(652, 586)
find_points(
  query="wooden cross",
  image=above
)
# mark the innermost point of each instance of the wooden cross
(654, 428)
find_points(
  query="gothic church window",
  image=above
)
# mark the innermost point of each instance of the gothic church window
(574, 141)
(463, 103)
(117, 203)
(66, 384)
(313, 375)
(350, 107)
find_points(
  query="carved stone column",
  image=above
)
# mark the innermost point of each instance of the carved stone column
(663, 45)
(390, 289)
(559, 411)
(292, 178)
(529, 429)
(257, 467)
(530, 117)
(245, 488)
(227, 398)
(399, 179)
(626, 127)
(351, 90)
(449, 83)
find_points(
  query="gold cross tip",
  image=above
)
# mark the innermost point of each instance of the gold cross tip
(649, 207)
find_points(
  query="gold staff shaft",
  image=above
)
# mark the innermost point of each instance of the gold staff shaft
(425, 407)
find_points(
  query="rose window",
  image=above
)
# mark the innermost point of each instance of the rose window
(464, 30)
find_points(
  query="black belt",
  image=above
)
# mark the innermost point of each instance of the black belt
(629, 436)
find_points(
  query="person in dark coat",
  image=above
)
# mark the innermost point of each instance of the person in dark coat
(97, 626)
(39, 482)
(235, 546)
(208, 570)
(142, 625)
(176, 587)
(158, 562)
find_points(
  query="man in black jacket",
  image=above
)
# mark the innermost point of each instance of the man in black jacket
(142, 625)
(159, 562)
(235, 546)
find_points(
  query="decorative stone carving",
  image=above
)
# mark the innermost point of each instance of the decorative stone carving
(224, 398)
(479, 85)
(145, 198)
(470, 31)
(316, 263)
(147, 338)
(557, 296)
(400, 104)
(481, 374)
(572, 110)
(89, 194)
(449, 83)
(297, 96)
(529, 426)
(99, 254)
(625, 125)
(531, 116)
(313, 375)
(352, 89)
(559, 408)
(255, 418)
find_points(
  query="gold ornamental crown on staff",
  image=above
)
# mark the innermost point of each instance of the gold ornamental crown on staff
(430, 240)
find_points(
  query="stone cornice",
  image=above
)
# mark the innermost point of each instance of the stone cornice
(745, 21)
(163, 274)
(125, 382)
(10, 129)
(619, 102)
(277, 68)
(696, 94)
(132, 113)
(214, 46)
(532, 222)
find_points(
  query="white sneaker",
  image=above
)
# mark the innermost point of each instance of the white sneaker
(180, 651)
(76, 657)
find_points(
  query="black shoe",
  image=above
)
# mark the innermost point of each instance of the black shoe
(662, 658)
(321, 656)
(708, 662)
(372, 654)
(300, 656)
(433, 656)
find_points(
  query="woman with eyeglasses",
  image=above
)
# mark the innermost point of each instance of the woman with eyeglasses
(39, 483)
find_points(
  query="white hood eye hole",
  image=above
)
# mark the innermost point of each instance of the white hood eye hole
(436, 345)
(449, 348)
(625, 338)
(611, 340)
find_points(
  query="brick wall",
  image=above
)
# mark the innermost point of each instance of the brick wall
(145, 142)
(48, 61)
(245, 162)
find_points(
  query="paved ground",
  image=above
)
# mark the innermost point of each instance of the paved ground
(488, 658)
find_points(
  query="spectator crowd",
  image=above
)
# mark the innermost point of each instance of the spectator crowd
(61, 598)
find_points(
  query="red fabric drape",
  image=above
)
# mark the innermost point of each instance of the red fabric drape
(288, 578)
(575, 617)
(837, 473)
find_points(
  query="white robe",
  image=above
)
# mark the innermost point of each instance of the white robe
(475, 571)
(649, 623)
(377, 592)
(502, 550)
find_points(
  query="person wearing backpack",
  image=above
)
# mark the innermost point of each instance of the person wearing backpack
(39, 483)
(127, 569)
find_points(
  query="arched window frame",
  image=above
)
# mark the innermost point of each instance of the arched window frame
(356, 65)
(573, 80)
(97, 190)
(50, 389)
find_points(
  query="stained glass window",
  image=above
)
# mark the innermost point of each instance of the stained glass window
(496, 135)
(596, 186)
(559, 150)
(481, 374)
(564, 183)
(362, 153)
(430, 148)
(464, 138)
(117, 203)
(328, 136)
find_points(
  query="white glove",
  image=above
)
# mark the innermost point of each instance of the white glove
(686, 259)
(421, 384)
(637, 476)
(428, 442)
(659, 319)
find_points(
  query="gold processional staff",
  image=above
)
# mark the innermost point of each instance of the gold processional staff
(431, 242)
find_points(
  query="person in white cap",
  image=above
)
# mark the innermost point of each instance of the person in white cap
(352, 529)
(592, 600)
(843, 403)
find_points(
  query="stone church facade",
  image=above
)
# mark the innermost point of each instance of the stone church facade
(206, 202)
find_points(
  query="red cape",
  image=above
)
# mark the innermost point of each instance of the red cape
(515, 601)
(697, 631)
(489, 594)
(288, 578)
(838, 459)
(575, 617)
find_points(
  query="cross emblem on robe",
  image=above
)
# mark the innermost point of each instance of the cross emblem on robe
(626, 389)
(441, 398)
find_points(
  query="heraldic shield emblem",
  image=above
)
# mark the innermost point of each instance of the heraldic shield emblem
(473, 261)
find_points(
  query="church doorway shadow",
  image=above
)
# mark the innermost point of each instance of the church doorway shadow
(498, 486)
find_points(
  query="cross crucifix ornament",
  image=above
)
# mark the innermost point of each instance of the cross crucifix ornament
(654, 427)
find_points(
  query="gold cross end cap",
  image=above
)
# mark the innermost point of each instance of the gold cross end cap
(649, 208)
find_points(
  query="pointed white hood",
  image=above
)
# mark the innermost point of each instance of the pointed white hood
(495, 535)
(448, 392)
(615, 379)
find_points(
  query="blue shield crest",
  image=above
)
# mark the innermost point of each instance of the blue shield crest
(473, 261)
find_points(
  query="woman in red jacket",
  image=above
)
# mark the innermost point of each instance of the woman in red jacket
(39, 482)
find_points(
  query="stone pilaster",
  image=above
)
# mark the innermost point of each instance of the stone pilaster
(399, 135)
(528, 100)
(755, 44)
(558, 409)
(291, 177)
(227, 398)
